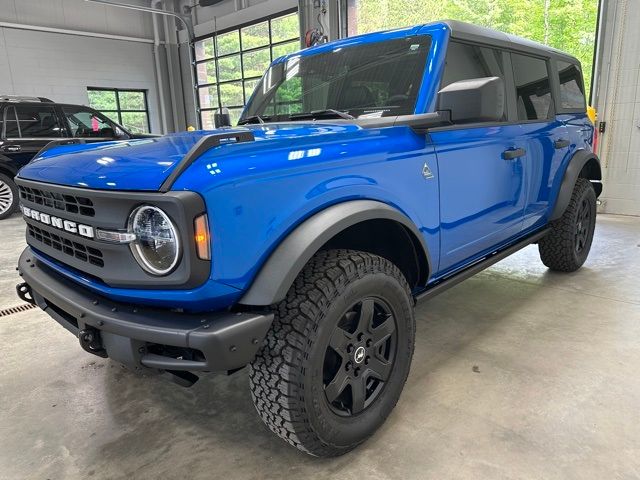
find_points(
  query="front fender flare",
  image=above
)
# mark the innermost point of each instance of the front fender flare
(571, 174)
(285, 263)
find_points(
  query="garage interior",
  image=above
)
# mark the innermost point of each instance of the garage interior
(518, 372)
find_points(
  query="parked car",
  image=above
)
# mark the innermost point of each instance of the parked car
(366, 175)
(27, 124)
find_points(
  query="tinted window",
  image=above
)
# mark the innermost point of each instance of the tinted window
(571, 86)
(465, 62)
(87, 123)
(532, 87)
(375, 79)
(32, 122)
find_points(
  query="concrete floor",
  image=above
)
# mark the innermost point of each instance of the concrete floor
(518, 373)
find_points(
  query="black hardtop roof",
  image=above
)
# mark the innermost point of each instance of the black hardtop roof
(474, 33)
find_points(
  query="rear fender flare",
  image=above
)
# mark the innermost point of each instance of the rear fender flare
(571, 174)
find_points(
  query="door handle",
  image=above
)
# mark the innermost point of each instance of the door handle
(11, 148)
(513, 153)
(561, 143)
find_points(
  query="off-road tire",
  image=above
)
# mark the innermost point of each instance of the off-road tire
(561, 250)
(286, 378)
(8, 189)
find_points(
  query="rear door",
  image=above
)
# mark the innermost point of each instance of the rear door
(27, 128)
(547, 138)
(482, 195)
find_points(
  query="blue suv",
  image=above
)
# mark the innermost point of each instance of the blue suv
(364, 175)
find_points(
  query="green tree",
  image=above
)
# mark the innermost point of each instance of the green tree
(567, 25)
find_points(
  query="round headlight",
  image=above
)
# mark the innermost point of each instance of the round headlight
(157, 245)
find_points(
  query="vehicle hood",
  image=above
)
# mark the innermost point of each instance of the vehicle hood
(144, 164)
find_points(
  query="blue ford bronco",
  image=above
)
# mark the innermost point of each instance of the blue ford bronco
(365, 175)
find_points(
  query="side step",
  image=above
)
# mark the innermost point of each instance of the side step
(448, 282)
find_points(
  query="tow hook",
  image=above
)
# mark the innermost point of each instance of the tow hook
(91, 342)
(24, 292)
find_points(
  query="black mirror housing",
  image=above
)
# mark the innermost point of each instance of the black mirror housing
(222, 118)
(474, 100)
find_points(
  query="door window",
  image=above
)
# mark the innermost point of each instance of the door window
(571, 86)
(465, 62)
(533, 90)
(88, 124)
(28, 121)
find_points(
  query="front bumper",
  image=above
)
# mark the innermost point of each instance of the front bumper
(145, 337)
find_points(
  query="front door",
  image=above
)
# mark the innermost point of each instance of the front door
(482, 194)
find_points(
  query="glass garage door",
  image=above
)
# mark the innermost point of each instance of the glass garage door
(241, 56)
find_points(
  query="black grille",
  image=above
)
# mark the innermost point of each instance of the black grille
(74, 249)
(59, 201)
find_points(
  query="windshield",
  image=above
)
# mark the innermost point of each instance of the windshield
(370, 80)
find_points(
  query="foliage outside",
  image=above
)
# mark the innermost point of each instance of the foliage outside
(567, 25)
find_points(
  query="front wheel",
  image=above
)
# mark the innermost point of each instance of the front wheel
(567, 246)
(338, 354)
(8, 196)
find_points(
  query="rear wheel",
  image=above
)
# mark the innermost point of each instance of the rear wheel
(338, 354)
(567, 246)
(8, 196)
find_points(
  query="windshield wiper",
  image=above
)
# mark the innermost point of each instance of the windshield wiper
(323, 113)
(252, 119)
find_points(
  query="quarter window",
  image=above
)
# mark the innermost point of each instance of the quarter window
(465, 62)
(26, 121)
(533, 90)
(571, 86)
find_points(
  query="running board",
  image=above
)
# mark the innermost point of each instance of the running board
(456, 278)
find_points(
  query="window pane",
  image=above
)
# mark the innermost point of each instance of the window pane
(465, 62)
(36, 122)
(204, 49)
(231, 94)
(256, 63)
(206, 72)
(249, 87)
(113, 116)
(532, 87)
(255, 35)
(234, 115)
(102, 99)
(285, 49)
(135, 122)
(571, 87)
(229, 42)
(132, 101)
(285, 28)
(85, 123)
(207, 119)
(381, 78)
(229, 68)
(208, 97)
(12, 124)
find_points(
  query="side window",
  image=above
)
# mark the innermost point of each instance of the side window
(13, 130)
(88, 124)
(34, 122)
(465, 62)
(533, 90)
(571, 86)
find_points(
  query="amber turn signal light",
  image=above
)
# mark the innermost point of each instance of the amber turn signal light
(202, 237)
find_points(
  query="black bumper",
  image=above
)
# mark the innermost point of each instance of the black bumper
(146, 337)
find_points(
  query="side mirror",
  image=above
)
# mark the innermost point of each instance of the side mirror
(221, 118)
(474, 100)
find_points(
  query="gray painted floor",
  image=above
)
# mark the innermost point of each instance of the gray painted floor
(556, 394)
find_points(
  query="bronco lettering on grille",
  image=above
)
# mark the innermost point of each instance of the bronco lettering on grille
(57, 222)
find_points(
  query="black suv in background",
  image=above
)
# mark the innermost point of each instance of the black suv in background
(27, 124)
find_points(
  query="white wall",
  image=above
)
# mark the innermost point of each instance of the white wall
(619, 106)
(62, 66)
